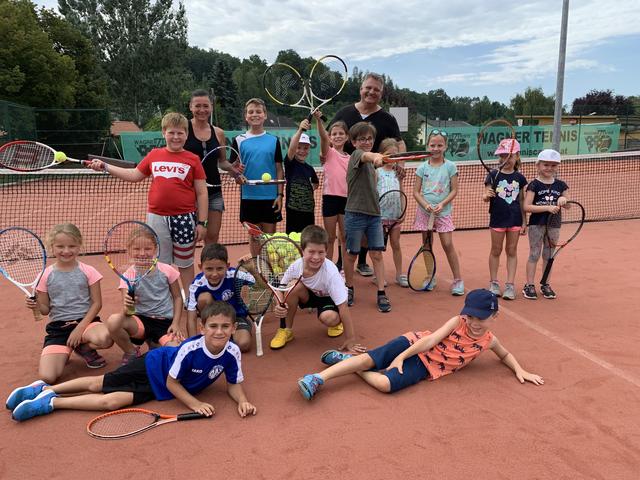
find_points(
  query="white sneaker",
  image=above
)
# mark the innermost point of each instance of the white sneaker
(494, 287)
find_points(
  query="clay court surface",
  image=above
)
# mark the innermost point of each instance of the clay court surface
(478, 423)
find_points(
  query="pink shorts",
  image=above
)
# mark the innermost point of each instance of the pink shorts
(506, 229)
(440, 225)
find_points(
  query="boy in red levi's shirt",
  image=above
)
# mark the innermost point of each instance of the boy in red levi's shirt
(177, 208)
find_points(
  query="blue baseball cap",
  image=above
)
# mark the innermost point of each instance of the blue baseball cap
(480, 303)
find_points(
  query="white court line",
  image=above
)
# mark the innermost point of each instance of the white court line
(573, 347)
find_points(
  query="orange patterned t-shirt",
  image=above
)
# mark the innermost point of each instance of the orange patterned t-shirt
(455, 351)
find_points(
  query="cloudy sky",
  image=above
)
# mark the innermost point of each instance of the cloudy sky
(469, 48)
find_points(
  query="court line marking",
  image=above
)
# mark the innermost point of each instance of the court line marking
(573, 347)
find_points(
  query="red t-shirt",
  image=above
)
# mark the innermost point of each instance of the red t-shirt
(172, 191)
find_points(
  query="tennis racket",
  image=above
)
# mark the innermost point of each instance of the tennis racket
(393, 205)
(253, 294)
(132, 421)
(131, 249)
(231, 154)
(253, 230)
(406, 156)
(23, 259)
(276, 255)
(28, 156)
(286, 86)
(562, 228)
(422, 269)
(489, 138)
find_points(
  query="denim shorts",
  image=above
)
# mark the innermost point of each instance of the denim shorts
(216, 202)
(357, 225)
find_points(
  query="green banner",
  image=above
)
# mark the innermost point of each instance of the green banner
(136, 145)
(575, 140)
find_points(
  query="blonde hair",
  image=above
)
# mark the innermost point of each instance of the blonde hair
(66, 228)
(141, 232)
(387, 144)
(175, 119)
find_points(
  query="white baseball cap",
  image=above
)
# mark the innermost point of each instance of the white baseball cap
(549, 155)
(304, 138)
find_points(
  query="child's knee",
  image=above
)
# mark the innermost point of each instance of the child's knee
(376, 255)
(204, 299)
(330, 318)
(115, 322)
(382, 384)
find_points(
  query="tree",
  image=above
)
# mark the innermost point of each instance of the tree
(602, 102)
(143, 46)
(533, 102)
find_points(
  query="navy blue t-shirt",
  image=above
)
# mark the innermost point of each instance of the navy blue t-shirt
(300, 178)
(505, 206)
(545, 194)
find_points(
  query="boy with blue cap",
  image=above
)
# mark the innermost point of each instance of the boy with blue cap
(417, 356)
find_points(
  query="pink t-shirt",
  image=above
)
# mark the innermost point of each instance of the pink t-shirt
(335, 173)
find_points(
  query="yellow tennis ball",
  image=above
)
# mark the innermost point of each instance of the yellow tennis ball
(59, 157)
(266, 177)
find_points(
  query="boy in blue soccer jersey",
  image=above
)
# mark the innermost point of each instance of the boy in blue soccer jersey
(216, 283)
(162, 374)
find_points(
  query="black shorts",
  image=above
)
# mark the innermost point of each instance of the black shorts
(131, 377)
(333, 205)
(297, 221)
(58, 332)
(154, 329)
(323, 304)
(259, 211)
(243, 324)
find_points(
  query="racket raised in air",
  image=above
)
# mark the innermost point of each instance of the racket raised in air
(562, 228)
(406, 156)
(393, 205)
(28, 156)
(131, 249)
(132, 421)
(422, 269)
(277, 254)
(286, 86)
(253, 294)
(489, 138)
(23, 259)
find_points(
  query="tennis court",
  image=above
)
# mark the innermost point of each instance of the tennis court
(479, 422)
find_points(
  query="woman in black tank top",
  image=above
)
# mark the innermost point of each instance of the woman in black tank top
(202, 138)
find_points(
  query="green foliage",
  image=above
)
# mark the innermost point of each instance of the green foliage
(603, 102)
(533, 102)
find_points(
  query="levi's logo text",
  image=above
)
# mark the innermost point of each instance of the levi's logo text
(170, 170)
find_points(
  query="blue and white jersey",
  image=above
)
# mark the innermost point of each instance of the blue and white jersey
(224, 292)
(193, 365)
(259, 154)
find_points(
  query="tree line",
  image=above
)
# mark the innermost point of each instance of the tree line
(132, 57)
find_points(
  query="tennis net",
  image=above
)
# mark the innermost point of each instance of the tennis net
(606, 185)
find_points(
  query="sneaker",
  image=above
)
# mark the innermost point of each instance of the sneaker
(402, 281)
(331, 357)
(529, 291)
(127, 357)
(509, 291)
(547, 292)
(494, 287)
(365, 270)
(282, 337)
(309, 385)
(374, 280)
(384, 305)
(431, 285)
(91, 357)
(21, 394)
(336, 330)
(457, 289)
(41, 405)
(349, 296)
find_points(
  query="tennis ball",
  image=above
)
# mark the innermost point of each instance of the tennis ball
(59, 157)
(266, 177)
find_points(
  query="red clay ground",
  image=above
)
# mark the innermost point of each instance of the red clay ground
(479, 423)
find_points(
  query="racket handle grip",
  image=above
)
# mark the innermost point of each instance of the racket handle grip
(131, 310)
(190, 416)
(310, 117)
(547, 271)
(259, 351)
(37, 316)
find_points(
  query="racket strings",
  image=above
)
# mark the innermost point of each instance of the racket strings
(284, 84)
(118, 424)
(422, 270)
(26, 156)
(564, 225)
(327, 78)
(255, 297)
(132, 248)
(21, 255)
(393, 204)
(276, 255)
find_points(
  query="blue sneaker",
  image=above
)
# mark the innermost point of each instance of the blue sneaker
(21, 394)
(431, 285)
(41, 405)
(457, 289)
(331, 357)
(309, 385)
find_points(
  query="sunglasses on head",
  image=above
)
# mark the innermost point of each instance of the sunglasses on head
(435, 131)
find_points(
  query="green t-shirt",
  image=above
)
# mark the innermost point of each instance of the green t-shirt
(362, 196)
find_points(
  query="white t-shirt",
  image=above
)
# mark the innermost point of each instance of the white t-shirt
(327, 282)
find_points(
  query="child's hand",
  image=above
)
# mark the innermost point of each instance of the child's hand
(31, 303)
(97, 165)
(201, 232)
(437, 208)
(529, 377)
(176, 332)
(488, 194)
(129, 301)
(562, 201)
(281, 311)
(350, 345)
(246, 408)
(205, 409)
(317, 115)
(553, 209)
(377, 159)
(523, 229)
(397, 363)
(75, 338)
(277, 203)
(304, 125)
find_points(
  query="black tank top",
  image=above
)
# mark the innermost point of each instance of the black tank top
(201, 148)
